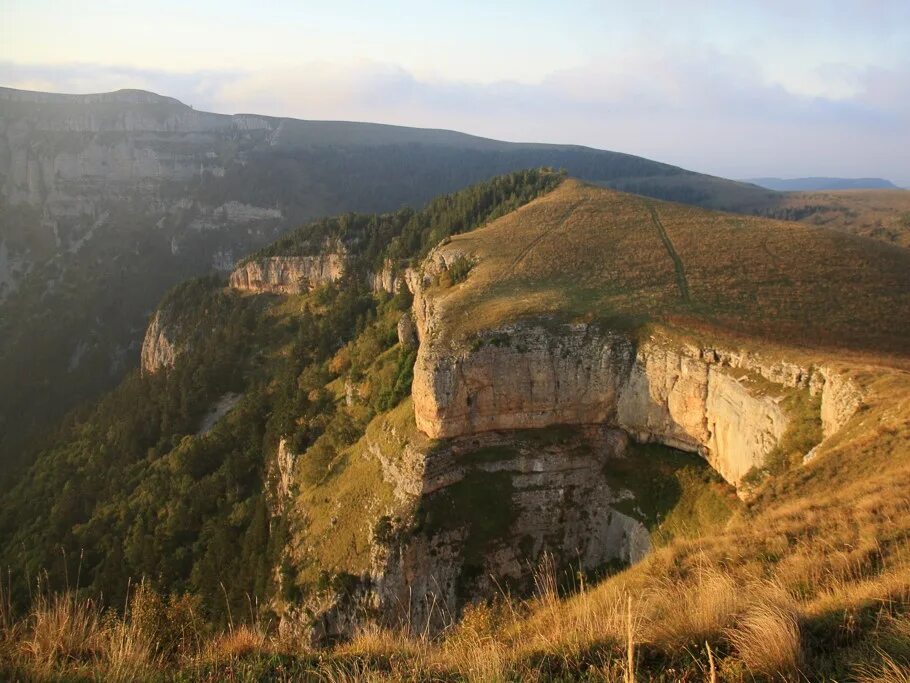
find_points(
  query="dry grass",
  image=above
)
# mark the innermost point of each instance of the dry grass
(767, 639)
(240, 641)
(582, 252)
(62, 628)
(697, 609)
(65, 633)
(888, 671)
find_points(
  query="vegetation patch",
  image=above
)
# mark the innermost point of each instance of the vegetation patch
(803, 433)
(480, 505)
(676, 494)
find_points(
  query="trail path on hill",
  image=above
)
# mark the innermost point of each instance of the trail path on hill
(507, 272)
(681, 281)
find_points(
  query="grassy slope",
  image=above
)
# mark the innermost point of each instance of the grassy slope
(588, 253)
(811, 581)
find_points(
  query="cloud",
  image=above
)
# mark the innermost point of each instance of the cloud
(695, 107)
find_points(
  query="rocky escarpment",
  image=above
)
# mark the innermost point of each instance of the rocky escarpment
(159, 348)
(484, 511)
(288, 274)
(74, 156)
(725, 405)
(386, 279)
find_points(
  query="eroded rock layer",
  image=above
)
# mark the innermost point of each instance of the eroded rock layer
(288, 274)
(486, 511)
(159, 347)
(725, 405)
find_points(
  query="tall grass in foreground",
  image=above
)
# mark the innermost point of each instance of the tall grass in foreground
(807, 587)
(697, 627)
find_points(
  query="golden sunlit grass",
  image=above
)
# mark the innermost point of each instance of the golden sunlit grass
(588, 253)
(767, 639)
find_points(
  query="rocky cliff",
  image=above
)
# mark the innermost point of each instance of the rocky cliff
(104, 145)
(159, 347)
(288, 274)
(479, 513)
(722, 404)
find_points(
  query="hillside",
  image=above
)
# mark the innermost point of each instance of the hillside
(531, 432)
(108, 200)
(587, 254)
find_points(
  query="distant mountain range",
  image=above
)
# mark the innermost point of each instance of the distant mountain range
(815, 184)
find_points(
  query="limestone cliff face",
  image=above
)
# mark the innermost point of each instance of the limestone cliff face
(98, 145)
(742, 427)
(686, 398)
(840, 400)
(159, 348)
(555, 495)
(280, 478)
(386, 279)
(520, 377)
(288, 274)
(528, 375)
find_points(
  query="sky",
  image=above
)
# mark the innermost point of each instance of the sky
(738, 89)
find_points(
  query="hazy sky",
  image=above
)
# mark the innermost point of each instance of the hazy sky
(740, 89)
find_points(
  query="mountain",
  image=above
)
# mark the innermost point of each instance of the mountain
(535, 384)
(815, 184)
(108, 200)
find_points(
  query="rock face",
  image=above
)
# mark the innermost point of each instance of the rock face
(159, 348)
(543, 498)
(407, 331)
(531, 376)
(280, 478)
(684, 398)
(288, 274)
(74, 153)
(520, 378)
(840, 400)
(385, 280)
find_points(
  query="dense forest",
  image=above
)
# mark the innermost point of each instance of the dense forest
(138, 486)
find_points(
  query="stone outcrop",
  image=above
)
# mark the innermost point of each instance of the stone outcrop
(159, 348)
(841, 398)
(280, 478)
(288, 274)
(387, 279)
(407, 331)
(530, 376)
(557, 499)
(686, 398)
(520, 378)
